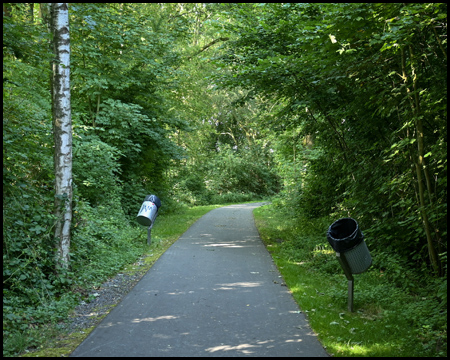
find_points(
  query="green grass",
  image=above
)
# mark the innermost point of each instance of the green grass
(386, 321)
(167, 230)
(171, 227)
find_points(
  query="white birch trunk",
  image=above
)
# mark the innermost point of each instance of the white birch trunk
(62, 130)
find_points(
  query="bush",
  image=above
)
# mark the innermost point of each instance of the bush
(103, 241)
(231, 171)
(33, 294)
(95, 169)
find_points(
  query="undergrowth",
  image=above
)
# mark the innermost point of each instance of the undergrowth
(35, 308)
(397, 310)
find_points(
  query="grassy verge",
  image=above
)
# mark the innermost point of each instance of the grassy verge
(54, 341)
(386, 321)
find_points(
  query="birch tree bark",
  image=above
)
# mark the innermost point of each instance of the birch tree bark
(62, 130)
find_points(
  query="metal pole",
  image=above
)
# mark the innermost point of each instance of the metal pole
(348, 273)
(350, 296)
(149, 235)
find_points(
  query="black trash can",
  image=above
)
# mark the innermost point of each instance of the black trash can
(154, 199)
(345, 237)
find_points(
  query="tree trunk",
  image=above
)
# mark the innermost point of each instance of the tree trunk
(31, 12)
(419, 161)
(62, 130)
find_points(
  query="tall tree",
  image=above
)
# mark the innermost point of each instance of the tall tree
(62, 129)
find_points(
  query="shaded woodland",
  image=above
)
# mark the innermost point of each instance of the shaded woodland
(329, 110)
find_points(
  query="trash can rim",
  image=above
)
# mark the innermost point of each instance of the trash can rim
(344, 243)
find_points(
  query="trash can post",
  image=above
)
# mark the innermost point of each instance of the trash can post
(148, 213)
(347, 240)
(350, 296)
(348, 274)
(149, 235)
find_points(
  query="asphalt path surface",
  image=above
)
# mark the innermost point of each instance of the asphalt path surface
(214, 292)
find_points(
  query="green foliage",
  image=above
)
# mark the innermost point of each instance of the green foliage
(228, 176)
(103, 241)
(121, 150)
(28, 249)
(96, 169)
(233, 170)
(397, 313)
(325, 105)
(123, 65)
(359, 80)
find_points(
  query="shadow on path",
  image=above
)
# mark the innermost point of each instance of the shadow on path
(214, 292)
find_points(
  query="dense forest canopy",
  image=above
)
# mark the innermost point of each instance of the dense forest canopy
(330, 110)
(361, 81)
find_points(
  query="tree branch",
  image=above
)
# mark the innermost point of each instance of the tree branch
(208, 46)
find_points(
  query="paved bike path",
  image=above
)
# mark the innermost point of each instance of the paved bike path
(214, 292)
